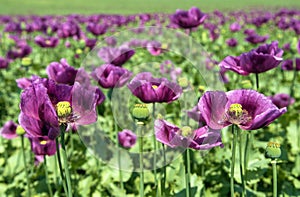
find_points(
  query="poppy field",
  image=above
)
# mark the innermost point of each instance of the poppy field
(188, 103)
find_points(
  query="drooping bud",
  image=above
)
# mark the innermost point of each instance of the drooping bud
(26, 61)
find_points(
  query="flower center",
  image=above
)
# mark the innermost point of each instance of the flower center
(43, 142)
(186, 131)
(154, 87)
(64, 112)
(47, 42)
(237, 115)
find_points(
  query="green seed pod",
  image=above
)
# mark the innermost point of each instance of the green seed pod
(20, 130)
(140, 112)
(273, 150)
(183, 82)
(26, 61)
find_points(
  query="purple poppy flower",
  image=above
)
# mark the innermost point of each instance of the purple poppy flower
(188, 19)
(8, 131)
(3, 63)
(110, 76)
(127, 138)
(68, 29)
(287, 65)
(258, 60)
(202, 138)
(49, 42)
(232, 42)
(286, 47)
(150, 90)
(235, 27)
(45, 105)
(255, 38)
(20, 50)
(282, 100)
(115, 56)
(91, 43)
(249, 32)
(154, 48)
(61, 72)
(248, 109)
(96, 29)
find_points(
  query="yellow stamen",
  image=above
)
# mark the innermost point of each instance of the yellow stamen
(43, 142)
(154, 87)
(236, 108)
(63, 109)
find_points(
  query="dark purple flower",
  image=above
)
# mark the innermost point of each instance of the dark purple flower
(8, 131)
(91, 43)
(115, 56)
(68, 29)
(20, 50)
(255, 38)
(61, 72)
(234, 27)
(249, 32)
(282, 100)
(287, 64)
(96, 29)
(110, 76)
(286, 47)
(258, 60)
(150, 90)
(3, 63)
(232, 42)
(127, 138)
(49, 42)
(45, 105)
(248, 109)
(200, 139)
(188, 19)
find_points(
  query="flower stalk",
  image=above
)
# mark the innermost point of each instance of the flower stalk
(47, 177)
(274, 177)
(65, 159)
(233, 160)
(140, 132)
(187, 166)
(25, 165)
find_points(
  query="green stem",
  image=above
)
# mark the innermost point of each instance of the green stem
(141, 160)
(47, 176)
(60, 167)
(246, 153)
(119, 157)
(163, 182)
(187, 166)
(25, 165)
(155, 149)
(233, 161)
(241, 164)
(66, 167)
(257, 81)
(274, 178)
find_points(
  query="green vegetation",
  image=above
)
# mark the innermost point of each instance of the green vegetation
(42, 7)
